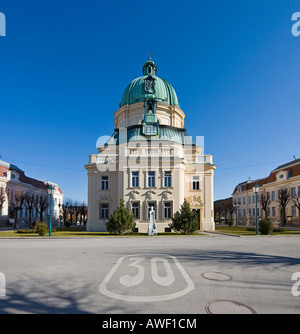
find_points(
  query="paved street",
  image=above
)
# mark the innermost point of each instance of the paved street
(164, 275)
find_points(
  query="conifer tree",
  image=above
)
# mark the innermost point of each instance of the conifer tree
(185, 220)
(121, 221)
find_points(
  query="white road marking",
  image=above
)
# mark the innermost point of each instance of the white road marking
(132, 281)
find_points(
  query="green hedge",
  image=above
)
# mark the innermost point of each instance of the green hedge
(279, 229)
(32, 231)
(26, 231)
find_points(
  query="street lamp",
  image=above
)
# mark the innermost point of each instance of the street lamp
(256, 191)
(50, 190)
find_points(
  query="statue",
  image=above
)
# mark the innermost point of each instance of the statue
(152, 226)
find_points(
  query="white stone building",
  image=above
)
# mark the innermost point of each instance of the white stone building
(149, 160)
(13, 180)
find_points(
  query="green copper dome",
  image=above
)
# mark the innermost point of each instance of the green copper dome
(149, 86)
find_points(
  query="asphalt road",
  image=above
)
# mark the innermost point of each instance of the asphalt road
(150, 275)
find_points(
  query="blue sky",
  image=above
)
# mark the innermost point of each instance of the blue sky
(65, 64)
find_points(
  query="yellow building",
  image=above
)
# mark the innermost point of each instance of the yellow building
(149, 160)
(284, 177)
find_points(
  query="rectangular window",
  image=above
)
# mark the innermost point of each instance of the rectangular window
(293, 192)
(104, 211)
(136, 209)
(168, 179)
(273, 211)
(298, 191)
(250, 212)
(268, 195)
(104, 183)
(168, 210)
(253, 212)
(273, 195)
(150, 130)
(151, 179)
(253, 199)
(135, 179)
(154, 208)
(195, 182)
(249, 199)
(293, 211)
(244, 201)
(268, 212)
(244, 212)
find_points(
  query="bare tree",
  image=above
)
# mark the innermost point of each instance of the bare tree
(2, 198)
(68, 209)
(29, 203)
(218, 209)
(64, 210)
(83, 212)
(283, 199)
(77, 209)
(265, 203)
(296, 201)
(41, 204)
(16, 204)
(229, 208)
(71, 211)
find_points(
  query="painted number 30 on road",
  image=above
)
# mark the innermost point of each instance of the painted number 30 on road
(146, 278)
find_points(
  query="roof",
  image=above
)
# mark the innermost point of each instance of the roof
(34, 182)
(4, 166)
(291, 163)
(168, 133)
(293, 167)
(136, 91)
(2, 170)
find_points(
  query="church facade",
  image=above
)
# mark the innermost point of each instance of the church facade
(150, 160)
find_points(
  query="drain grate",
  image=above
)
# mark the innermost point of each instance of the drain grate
(224, 306)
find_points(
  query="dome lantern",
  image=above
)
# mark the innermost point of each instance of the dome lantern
(149, 68)
(149, 86)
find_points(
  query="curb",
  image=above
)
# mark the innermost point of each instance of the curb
(257, 236)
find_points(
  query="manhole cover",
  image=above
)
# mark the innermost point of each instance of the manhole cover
(224, 306)
(216, 276)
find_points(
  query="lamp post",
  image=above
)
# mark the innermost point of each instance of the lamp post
(50, 190)
(256, 191)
